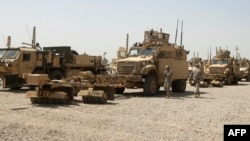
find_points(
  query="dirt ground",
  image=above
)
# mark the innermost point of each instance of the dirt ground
(130, 117)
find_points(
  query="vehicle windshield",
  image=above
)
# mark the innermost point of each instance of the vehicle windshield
(10, 54)
(222, 61)
(133, 52)
(2, 52)
(148, 51)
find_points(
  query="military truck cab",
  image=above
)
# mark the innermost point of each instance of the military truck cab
(15, 62)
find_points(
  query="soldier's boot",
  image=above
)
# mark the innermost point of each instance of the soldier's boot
(196, 95)
(171, 93)
(167, 94)
(199, 95)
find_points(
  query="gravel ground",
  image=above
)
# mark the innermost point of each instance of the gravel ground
(130, 117)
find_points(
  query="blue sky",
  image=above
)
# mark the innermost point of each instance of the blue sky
(98, 26)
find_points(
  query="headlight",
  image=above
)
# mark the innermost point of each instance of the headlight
(152, 61)
(143, 63)
(134, 70)
(143, 80)
(226, 71)
(72, 82)
(142, 70)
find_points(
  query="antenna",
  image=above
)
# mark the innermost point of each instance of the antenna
(34, 38)
(8, 41)
(127, 38)
(181, 32)
(237, 54)
(28, 31)
(210, 53)
(176, 32)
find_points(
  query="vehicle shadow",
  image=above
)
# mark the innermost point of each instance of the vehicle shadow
(161, 94)
(77, 102)
(15, 91)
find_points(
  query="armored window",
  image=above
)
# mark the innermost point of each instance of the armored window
(165, 55)
(148, 51)
(179, 53)
(26, 57)
(134, 52)
(11, 54)
(2, 52)
(160, 36)
(122, 54)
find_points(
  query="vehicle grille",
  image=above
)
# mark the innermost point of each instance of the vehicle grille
(215, 70)
(124, 67)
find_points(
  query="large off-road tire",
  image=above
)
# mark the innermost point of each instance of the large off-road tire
(21, 83)
(235, 80)
(228, 80)
(150, 86)
(179, 86)
(119, 90)
(248, 77)
(56, 75)
(38, 71)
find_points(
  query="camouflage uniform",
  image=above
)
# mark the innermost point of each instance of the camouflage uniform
(196, 75)
(168, 80)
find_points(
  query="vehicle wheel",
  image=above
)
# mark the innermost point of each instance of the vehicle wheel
(228, 80)
(38, 71)
(15, 87)
(150, 86)
(56, 75)
(248, 78)
(102, 100)
(33, 100)
(119, 90)
(75, 90)
(173, 86)
(235, 81)
(179, 86)
(70, 93)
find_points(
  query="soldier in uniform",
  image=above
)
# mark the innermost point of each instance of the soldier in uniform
(196, 75)
(168, 73)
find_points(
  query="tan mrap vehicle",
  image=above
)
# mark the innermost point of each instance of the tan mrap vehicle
(145, 63)
(244, 69)
(224, 68)
(207, 80)
(121, 53)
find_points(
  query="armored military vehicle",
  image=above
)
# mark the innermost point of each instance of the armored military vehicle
(224, 68)
(57, 61)
(121, 53)
(144, 64)
(244, 69)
